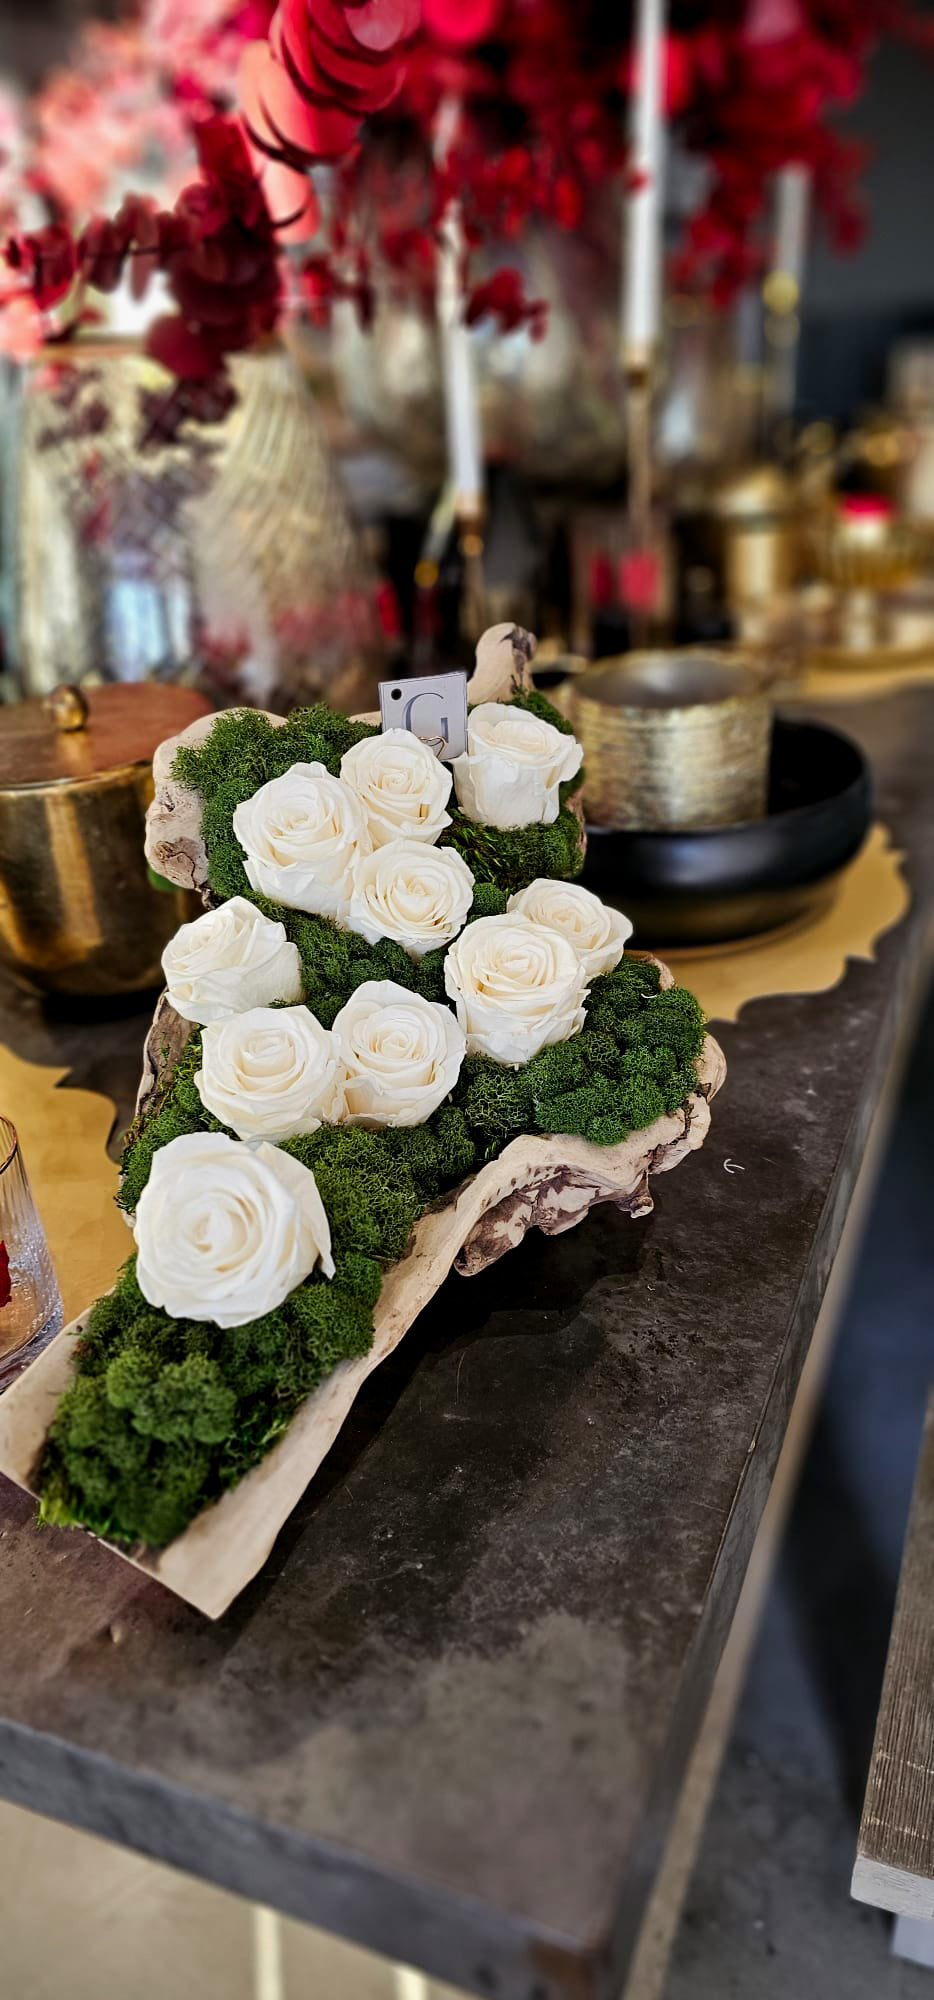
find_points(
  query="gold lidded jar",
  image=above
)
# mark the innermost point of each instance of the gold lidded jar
(673, 739)
(80, 913)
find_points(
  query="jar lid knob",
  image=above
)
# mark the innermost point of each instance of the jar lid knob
(68, 708)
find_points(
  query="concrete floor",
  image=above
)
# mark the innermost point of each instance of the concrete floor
(768, 1914)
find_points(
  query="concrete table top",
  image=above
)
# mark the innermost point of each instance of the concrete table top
(450, 1718)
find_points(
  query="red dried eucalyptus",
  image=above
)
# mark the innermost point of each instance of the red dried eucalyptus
(541, 88)
(217, 247)
(6, 1282)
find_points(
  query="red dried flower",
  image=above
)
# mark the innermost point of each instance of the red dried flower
(502, 298)
(46, 262)
(462, 22)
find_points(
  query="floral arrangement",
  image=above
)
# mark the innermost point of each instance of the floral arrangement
(540, 90)
(398, 976)
(127, 100)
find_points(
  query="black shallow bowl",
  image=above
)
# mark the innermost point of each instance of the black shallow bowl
(735, 881)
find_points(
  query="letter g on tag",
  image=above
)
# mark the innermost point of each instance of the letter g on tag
(433, 708)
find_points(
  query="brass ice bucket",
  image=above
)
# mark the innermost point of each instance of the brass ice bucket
(673, 740)
(79, 912)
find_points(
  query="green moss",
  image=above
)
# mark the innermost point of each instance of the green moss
(335, 962)
(243, 752)
(165, 1414)
(538, 704)
(244, 749)
(510, 860)
(488, 901)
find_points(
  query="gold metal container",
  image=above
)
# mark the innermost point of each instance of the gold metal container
(756, 512)
(79, 912)
(673, 740)
(863, 549)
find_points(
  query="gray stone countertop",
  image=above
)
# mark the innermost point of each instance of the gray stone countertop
(450, 1717)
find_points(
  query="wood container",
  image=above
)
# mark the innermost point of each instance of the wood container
(80, 913)
(673, 739)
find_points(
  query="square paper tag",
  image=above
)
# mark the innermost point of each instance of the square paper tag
(433, 707)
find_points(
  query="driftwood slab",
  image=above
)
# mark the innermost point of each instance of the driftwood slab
(550, 1183)
(543, 1183)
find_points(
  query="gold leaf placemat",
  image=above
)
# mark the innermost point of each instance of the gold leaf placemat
(805, 957)
(866, 683)
(63, 1135)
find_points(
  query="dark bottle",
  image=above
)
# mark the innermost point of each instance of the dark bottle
(449, 605)
(702, 618)
(475, 572)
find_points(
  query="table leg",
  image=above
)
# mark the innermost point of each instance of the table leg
(410, 1985)
(268, 1969)
(913, 1938)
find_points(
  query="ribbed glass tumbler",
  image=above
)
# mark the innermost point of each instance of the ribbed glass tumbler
(30, 1301)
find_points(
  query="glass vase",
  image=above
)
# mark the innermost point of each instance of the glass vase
(30, 1301)
(223, 555)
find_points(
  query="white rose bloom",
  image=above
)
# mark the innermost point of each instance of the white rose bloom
(270, 1074)
(513, 766)
(225, 1232)
(401, 1055)
(302, 835)
(401, 785)
(419, 896)
(597, 933)
(517, 988)
(228, 960)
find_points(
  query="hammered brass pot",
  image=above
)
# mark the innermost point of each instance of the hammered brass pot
(79, 912)
(674, 739)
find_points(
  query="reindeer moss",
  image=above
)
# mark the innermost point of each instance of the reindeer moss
(510, 861)
(165, 1414)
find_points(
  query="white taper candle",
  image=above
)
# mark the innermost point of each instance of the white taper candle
(783, 286)
(792, 214)
(460, 388)
(644, 203)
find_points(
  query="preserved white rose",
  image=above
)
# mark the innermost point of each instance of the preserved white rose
(513, 767)
(225, 1232)
(301, 836)
(401, 1055)
(228, 960)
(598, 933)
(271, 1073)
(517, 988)
(401, 785)
(419, 896)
